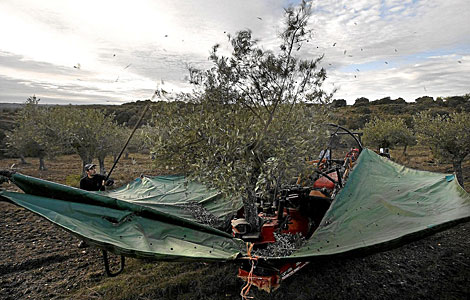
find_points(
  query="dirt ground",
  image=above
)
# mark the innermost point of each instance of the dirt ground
(41, 261)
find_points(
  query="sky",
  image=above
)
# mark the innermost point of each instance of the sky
(113, 52)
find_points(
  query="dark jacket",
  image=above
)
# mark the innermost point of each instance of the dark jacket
(92, 184)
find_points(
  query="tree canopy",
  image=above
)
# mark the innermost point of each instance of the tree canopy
(252, 108)
(388, 133)
(447, 135)
(50, 130)
(88, 132)
(34, 136)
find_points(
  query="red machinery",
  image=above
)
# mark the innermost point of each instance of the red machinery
(303, 207)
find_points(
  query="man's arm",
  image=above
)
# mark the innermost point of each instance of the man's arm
(105, 182)
(108, 182)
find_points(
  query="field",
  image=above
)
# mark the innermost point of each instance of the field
(41, 261)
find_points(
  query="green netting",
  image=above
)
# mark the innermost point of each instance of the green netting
(382, 202)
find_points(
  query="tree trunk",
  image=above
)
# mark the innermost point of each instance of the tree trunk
(249, 201)
(458, 170)
(251, 213)
(101, 163)
(42, 165)
(22, 160)
(404, 149)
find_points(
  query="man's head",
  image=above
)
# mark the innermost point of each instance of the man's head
(90, 169)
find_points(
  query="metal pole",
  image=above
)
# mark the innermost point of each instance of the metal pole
(128, 140)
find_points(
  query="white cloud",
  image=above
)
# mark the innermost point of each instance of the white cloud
(43, 41)
(439, 76)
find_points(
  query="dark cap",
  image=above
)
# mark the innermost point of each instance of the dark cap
(89, 166)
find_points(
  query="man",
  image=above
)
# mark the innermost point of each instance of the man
(93, 182)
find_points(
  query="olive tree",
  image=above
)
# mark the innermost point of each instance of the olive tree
(447, 135)
(388, 133)
(110, 142)
(90, 133)
(252, 108)
(33, 135)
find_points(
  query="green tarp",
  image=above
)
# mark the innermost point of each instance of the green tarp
(382, 203)
(126, 221)
(385, 203)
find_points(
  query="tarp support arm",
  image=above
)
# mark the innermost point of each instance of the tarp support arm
(106, 265)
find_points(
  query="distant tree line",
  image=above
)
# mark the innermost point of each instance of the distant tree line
(462, 102)
(356, 116)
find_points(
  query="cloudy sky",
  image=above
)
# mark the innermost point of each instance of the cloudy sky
(112, 52)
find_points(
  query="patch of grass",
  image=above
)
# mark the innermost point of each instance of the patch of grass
(73, 180)
(166, 280)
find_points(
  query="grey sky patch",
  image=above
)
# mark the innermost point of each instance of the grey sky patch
(20, 63)
(19, 90)
(440, 77)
